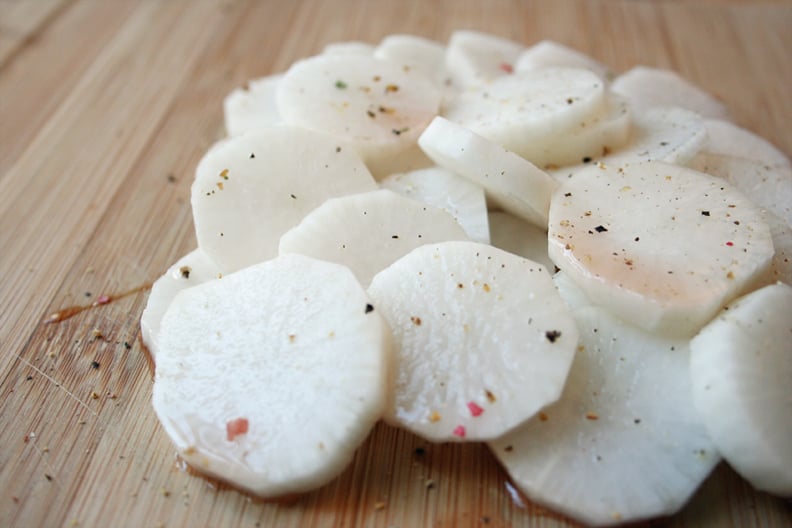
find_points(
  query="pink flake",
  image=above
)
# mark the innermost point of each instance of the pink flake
(508, 68)
(475, 410)
(459, 431)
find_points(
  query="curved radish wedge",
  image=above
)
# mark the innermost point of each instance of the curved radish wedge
(270, 378)
(454, 194)
(623, 443)
(413, 52)
(351, 47)
(252, 107)
(509, 181)
(741, 364)
(652, 87)
(768, 186)
(482, 341)
(662, 246)
(473, 57)
(192, 269)
(528, 112)
(727, 139)
(375, 106)
(250, 189)
(517, 236)
(781, 232)
(549, 54)
(369, 231)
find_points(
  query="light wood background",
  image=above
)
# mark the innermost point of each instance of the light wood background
(106, 107)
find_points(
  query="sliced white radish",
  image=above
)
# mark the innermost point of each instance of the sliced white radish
(369, 231)
(253, 106)
(374, 105)
(473, 57)
(662, 246)
(481, 339)
(250, 189)
(741, 366)
(572, 294)
(271, 377)
(623, 443)
(781, 232)
(515, 235)
(413, 52)
(510, 182)
(647, 87)
(351, 47)
(527, 112)
(728, 139)
(192, 269)
(769, 186)
(549, 54)
(439, 187)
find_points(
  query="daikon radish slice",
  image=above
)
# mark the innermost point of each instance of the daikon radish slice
(439, 187)
(623, 443)
(515, 235)
(510, 182)
(572, 294)
(413, 52)
(369, 231)
(781, 266)
(250, 189)
(352, 47)
(473, 57)
(741, 366)
(271, 377)
(529, 112)
(482, 341)
(728, 139)
(662, 246)
(192, 269)
(647, 87)
(768, 186)
(549, 54)
(373, 105)
(253, 106)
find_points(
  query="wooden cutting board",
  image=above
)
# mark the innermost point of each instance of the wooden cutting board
(105, 109)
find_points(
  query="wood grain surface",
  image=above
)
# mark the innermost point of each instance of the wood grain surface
(106, 107)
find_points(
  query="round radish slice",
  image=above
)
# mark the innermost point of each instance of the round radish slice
(377, 107)
(652, 87)
(271, 377)
(369, 231)
(781, 267)
(517, 236)
(351, 47)
(529, 111)
(662, 246)
(741, 366)
(192, 269)
(727, 139)
(250, 189)
(623, 443)
(253, 106)
(410, 51)
(473, 57)
(549, 54)
(463, 199)
(482, 341)
(509, 181)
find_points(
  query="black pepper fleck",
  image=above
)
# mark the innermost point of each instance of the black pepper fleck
(95, 364)
(552, 335)
(600, 229)
(369, 308)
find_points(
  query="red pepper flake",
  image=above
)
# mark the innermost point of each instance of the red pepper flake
(730, 243)
(475, 410)
(236, 427)
(506, 67)
(459, 431)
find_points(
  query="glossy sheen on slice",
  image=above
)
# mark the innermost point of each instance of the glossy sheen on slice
(439, 187)
(375, 106)
(662, 246)
(741, 366)
(510, 182)
(623, 443)
(526, 111)
(482, 341)
(250, 189)
(253, 106)
(271, 377)
(369, 231)
(192, 269)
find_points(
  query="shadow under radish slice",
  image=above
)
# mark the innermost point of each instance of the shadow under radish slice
(509, 181)
(368, 231)
(517, 236)
(192, 269)
(741, 367)
(250, 189)
(660, 245)
(623, 443)
(482, 340)
(271, 377)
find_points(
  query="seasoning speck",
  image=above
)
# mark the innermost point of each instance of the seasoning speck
(341, 85)
(95, 364)
(600, 229)
(369, 308)
(552, 335)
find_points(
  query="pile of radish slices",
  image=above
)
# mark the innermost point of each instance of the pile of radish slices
(483, 242)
